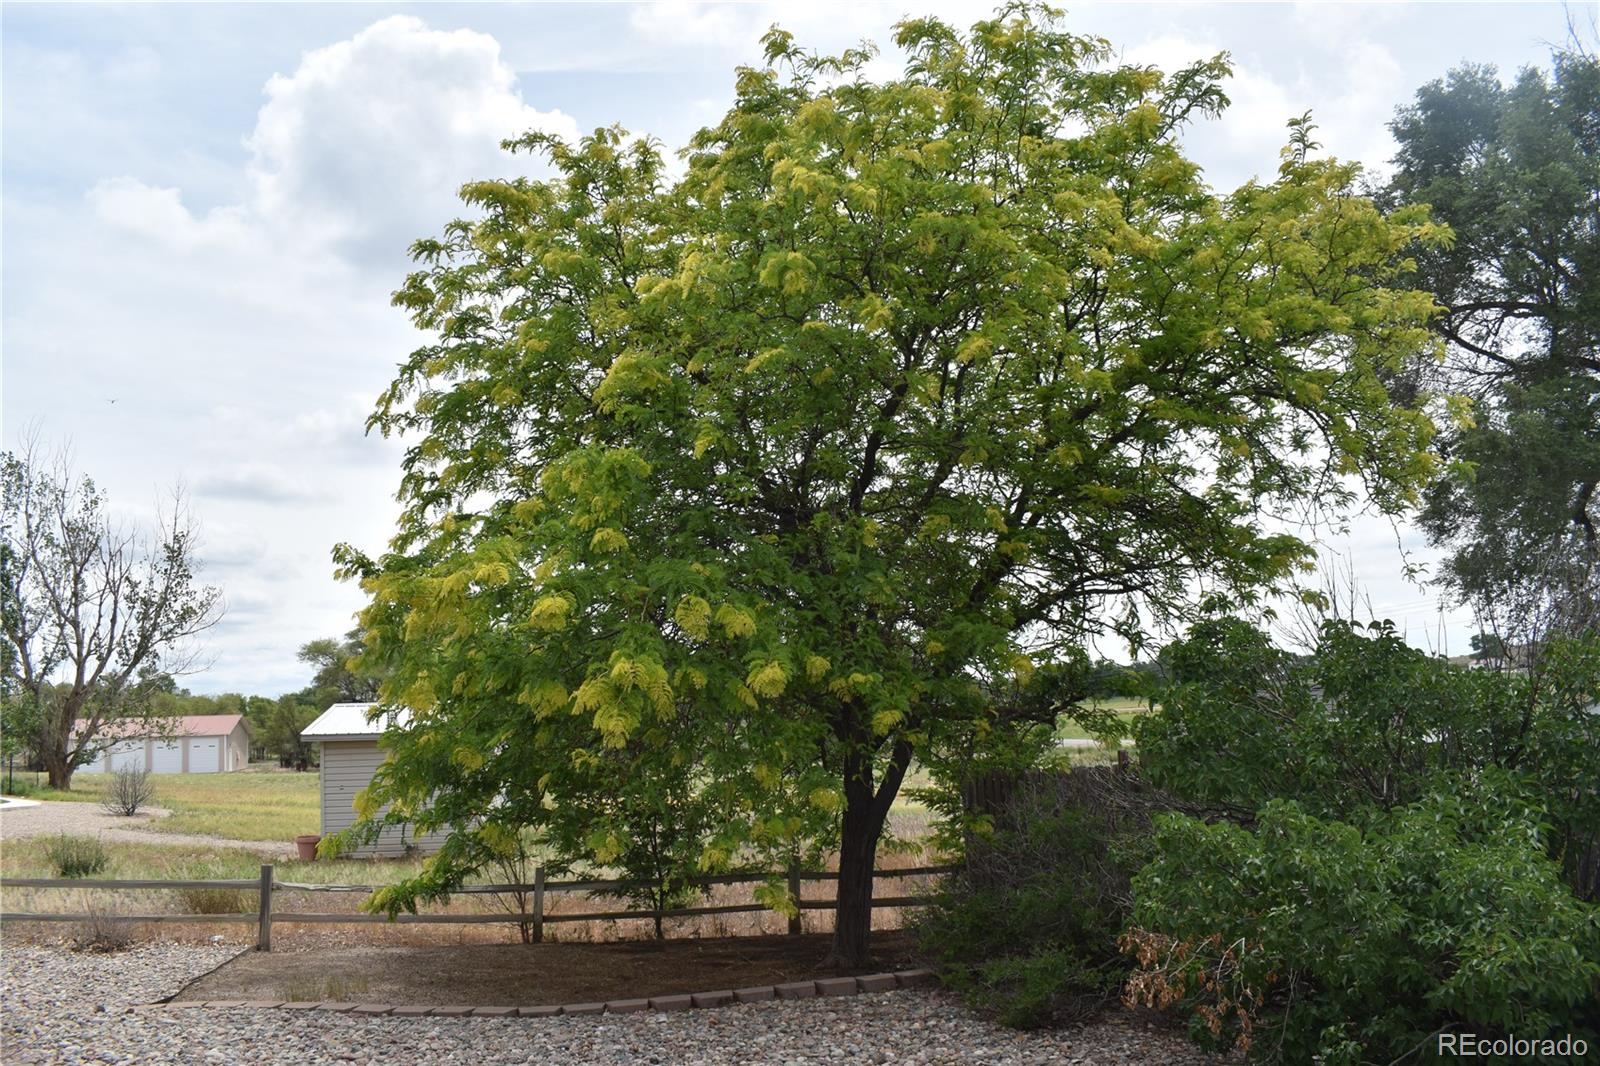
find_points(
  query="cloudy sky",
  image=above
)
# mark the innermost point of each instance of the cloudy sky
(206, 207)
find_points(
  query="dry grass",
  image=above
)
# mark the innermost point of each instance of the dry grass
(174, 862)
(247, 805)
(336, 988)
(273, 805)
(157, 861)
(217, 900)
(103, 934)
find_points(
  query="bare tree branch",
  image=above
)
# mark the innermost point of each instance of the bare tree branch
(93, 613)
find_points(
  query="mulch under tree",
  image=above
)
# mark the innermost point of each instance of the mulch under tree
(535, 974)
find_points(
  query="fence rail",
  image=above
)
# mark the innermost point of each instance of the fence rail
(78, 882)
(531, 912)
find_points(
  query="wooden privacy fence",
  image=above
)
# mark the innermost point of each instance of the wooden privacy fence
(530, 900)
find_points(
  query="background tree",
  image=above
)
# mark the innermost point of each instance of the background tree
(1489, 646)
(284, 721)
(97, 616)
(1514, 170)
(19, 728)
(901, 389)
(256, 710)
(334, 681)
(278, 722)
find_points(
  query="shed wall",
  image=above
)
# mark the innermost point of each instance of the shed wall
(347, 766)
(239, 748)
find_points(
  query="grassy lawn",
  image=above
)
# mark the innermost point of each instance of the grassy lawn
(1126, 711)
(247, 805)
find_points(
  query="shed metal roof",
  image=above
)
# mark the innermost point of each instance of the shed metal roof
(348, 721)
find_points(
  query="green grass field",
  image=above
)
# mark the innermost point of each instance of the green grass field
(247, 805)
(1126, 710)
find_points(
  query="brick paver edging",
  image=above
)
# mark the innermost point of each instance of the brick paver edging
(825, 986)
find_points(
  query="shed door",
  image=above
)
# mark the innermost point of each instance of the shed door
(128, 754)
(203, 756)
(166, 757)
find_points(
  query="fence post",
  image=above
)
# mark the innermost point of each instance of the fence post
(264, 910)
(795, 925)
(538, 904)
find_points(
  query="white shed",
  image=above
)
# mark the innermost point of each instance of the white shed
(350, 756)
(196, 744)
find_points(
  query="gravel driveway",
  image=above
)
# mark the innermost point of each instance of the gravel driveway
(55, 816)
(60, 1007)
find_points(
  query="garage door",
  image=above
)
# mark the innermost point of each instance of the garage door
(203, 755)
(166, 757)
(128, 754)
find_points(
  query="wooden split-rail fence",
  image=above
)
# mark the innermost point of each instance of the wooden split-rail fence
(530, 912)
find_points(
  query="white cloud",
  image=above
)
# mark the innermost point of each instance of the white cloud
(1351, 97)
(700, 24)
(737, 27)
(1336, 24)
(358, 152)
(369, 132)
(267, 320)
(255, 482)
(158, 214)
(340, 431)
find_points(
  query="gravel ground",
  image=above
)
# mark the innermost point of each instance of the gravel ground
(55, 816)
(60, 1007)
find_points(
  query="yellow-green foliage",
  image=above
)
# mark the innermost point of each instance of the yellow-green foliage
(768, 475)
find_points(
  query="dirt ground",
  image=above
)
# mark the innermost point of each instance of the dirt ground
(533, 974)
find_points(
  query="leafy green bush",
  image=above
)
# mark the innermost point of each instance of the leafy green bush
(1360, 722)
(1027, 932)
(21, 786)
(1395, 846)
(76, 856)
(1307, 939)
(1368, 723)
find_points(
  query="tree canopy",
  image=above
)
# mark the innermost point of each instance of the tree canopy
(1514, 169)
(794, 466)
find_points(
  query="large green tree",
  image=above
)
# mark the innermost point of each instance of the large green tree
(795, 463)
(1514, 169)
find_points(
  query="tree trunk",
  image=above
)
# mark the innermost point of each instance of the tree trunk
(59, 772)
(58, 742)
(858, 851)
(865, 813)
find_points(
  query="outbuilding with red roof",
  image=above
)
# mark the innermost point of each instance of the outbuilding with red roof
(193, 744)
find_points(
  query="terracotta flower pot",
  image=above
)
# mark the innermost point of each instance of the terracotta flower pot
(307, 846)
